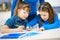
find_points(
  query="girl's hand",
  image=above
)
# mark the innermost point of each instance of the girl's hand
(29, 29)
(40, 29)
(21, 28)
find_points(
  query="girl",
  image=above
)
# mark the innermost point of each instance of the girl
(47, 18)
(17, 22)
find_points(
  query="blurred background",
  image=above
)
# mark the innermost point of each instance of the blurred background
(5, 6)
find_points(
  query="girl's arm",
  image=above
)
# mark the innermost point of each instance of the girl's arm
(32, 23)
(6, 29)
(9, 26)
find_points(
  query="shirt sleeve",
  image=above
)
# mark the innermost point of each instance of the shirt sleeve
(33, 22)
(53, 25)
(9, 23)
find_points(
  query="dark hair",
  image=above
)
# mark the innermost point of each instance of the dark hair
(47, 8)
(21, 5)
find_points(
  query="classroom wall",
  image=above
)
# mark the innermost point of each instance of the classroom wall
(54, 2)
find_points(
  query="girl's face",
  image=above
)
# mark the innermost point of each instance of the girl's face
(23, 13)
(44, 15)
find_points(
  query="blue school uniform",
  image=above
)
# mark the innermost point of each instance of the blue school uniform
(32, 4)
(33, 9)
(46, 25)
(41, 1)
(15, 22)
(59, 23)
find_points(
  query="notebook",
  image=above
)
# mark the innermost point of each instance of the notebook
(19, 35)
(12, 36)
(29, 34)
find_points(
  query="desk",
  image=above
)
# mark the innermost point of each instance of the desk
(53, 34)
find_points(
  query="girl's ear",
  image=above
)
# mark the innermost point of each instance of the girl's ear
(18, 10)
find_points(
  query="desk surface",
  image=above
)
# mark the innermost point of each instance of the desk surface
(53, 34)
